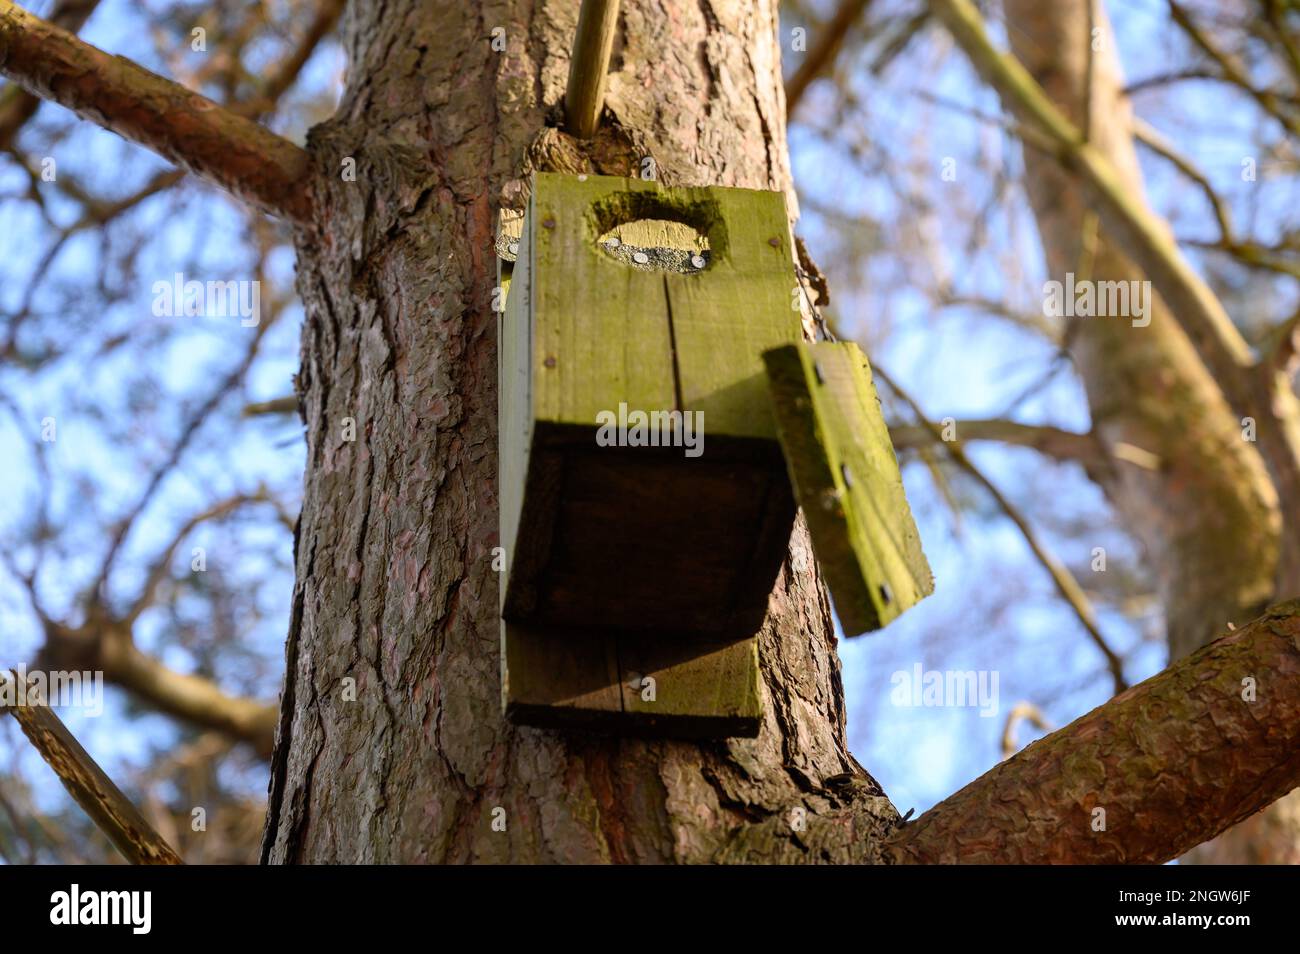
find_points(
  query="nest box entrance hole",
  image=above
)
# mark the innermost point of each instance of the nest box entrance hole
(651, 232)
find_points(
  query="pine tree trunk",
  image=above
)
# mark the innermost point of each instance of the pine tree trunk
(395, 586)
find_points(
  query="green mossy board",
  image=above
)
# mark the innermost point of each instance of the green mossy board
(596, 680)
(627, 562)
(847, 480)
(643, 537)
(633, 562)
(607, 332)
(702, 689)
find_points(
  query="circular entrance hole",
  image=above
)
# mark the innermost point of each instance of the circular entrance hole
(657, 231)
(657, 245)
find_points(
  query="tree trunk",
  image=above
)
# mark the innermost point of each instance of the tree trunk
(395, 585)
(1207, 513)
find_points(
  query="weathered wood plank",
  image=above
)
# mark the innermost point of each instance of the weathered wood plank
(595, 680)
(560, 677)
(847, 480)
(601, 332)
(661, 559)
(699, 689)
(725, 317)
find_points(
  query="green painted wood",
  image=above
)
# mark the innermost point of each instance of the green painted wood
(847, 480)
(596, 680)
(560, 678)
(611, 331)
(699, 689)
(644, 537)
(668, 558)
(601, 332)
(724, 318)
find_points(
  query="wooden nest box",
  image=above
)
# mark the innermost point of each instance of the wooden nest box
(659, 417)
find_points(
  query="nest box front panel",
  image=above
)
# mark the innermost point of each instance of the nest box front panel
(676, 539)
(639, 568)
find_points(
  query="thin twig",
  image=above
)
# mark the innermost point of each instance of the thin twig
(816, 61)
(1021, 712)
(1066, 584)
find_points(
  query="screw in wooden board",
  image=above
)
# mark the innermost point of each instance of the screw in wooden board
(550, 361)
(614, 242)
(641, 258)
(514, 248)
(848, 477)
(698, 261)
(548, 222)
(774, 242)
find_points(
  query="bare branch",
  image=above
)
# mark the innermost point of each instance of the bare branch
(196, 420)
(824, 51)
(110, 810)
(1233, 72)
(108, 646)
(16, 104)
(1054, 442)
(1152, 138)
(191, 130)
(1284, 357)
(285, 73)
(1146, 238)
(584, 99)
(1248, 253)
(281, 405)
(1021, 712)
(1144, 778)
(1066, 585)
(1144, 235)
(162, 566)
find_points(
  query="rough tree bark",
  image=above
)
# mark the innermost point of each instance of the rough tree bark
(1202, 741)
(1208, 515)
(395, 584)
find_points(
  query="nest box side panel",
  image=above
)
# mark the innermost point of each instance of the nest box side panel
(515, 414)
(847, 480)
(711, 691)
